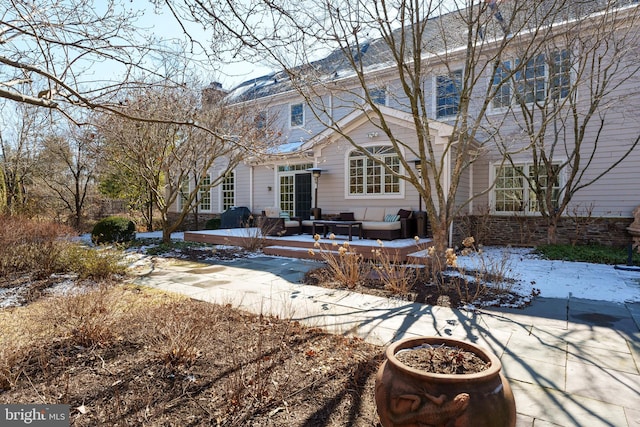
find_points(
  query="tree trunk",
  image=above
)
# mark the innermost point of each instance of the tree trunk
(552, 228)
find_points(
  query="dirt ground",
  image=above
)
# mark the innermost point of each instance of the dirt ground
(128, 356)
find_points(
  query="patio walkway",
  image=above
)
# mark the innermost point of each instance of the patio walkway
(299, 246)
(570, 362)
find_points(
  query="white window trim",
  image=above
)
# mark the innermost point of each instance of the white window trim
(381, 196)
(179, 198)
(221, 192)
(492, 194)
(304, 115)
(434, 94)
(200, 209)
(515, 105)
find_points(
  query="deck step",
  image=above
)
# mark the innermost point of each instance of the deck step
(294, 252)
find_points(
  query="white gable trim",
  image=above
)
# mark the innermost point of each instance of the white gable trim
(359, 117)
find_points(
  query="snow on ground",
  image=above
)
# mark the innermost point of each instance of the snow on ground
(561, 279)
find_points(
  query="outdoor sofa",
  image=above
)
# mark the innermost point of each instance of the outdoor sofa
(377, 223)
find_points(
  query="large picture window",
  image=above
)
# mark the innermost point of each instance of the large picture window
(448, 94)
(512, 192)
(367, 177)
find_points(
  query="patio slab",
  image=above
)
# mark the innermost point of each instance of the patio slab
(565, 366)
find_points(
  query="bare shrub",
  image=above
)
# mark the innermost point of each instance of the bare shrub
(90, 317)
(28, 245)
(179, 331)
(490, 277)
(397, 276)
(344, 262)
(582, 219)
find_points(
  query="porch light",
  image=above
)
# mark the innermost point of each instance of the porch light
(316, 172)
(418, 164)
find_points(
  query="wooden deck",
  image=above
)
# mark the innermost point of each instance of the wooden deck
(303, 246)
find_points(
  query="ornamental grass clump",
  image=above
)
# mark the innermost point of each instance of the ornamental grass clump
(345, 264)
(397, 277)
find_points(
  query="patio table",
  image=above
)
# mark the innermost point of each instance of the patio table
(327, 224)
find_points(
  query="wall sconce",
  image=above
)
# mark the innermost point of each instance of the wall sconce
(372, 135)
(269, 188)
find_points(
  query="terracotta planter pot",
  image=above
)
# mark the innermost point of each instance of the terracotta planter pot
(410, 397)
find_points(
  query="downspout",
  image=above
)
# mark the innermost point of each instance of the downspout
(252, 188)
(447, 184)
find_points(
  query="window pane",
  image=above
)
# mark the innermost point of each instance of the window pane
(448, 94)
(502, 93)
(228, 191)
(560, 74)
(297, 115)
(543, 181)
(378, 96)
(530, 80)
(509, 190)
(204, 194)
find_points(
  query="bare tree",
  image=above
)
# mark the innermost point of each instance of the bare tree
(20, 142)
(591, 91)
(166, 155)
(68, 168)
(53, 50)
(404, 46)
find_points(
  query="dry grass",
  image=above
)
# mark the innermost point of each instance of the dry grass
(130, 356)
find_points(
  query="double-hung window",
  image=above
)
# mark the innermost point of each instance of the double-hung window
(378, 95)
(501, 85)
(540, 79)
(228, 191)
(513, 193)
(530, 80)
(448, 94)
(368, 177)
(297, 115)
(204, 194)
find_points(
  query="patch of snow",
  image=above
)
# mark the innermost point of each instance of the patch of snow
(560, 279)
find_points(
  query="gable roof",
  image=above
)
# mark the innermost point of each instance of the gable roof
(442, 33)
(359, 117)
